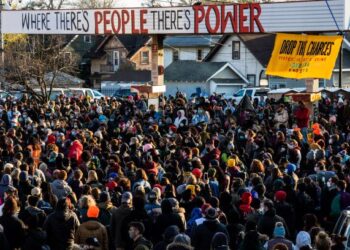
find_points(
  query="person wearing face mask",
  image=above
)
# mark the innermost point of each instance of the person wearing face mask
(200, 116)
(294, 153)
(181, 120)
(329, 191)
(210, 153)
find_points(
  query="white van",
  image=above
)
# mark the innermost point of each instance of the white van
(93, 94)
(251, 92)
(55, 92)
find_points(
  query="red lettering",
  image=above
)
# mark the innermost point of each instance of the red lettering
(98, 20)
(208, 19)
(243, 18)
(125, 19)
(133, 29)
(198, 19)
(143, 21)
(114, 28)
(229, 16)
(106, 21)
(254, 18)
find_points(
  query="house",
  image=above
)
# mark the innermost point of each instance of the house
(194, 48)
(114, 58)
(203, 78)
(250, 55)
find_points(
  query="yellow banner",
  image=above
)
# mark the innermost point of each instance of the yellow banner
(304, 56)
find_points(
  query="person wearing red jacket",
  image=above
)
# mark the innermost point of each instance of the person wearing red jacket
(302, 115)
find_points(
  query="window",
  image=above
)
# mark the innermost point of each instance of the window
(236, 50)
(249, 92)
(239, 93)
(199, 55)
(87, 39)
(251, 79)
(144, 57)
(175, 55)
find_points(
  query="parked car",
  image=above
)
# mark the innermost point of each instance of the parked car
(120, 93)
(4, 95)
(251, 92)
(93, 94)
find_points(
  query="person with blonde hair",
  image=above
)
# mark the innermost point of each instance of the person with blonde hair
(85, 202)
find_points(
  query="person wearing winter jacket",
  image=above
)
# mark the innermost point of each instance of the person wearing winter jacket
(92, 228)
(281, 117)
(5, 184)
(269, 219)
(14, 228)
(61, 226)
(59, 186)
(203, 234)
(32, 212)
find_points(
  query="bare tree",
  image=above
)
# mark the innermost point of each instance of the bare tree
(31, 59)
(45, 4)
(94, 4)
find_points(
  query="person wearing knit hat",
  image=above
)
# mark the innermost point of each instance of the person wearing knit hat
(303, 240)
(92, 228)
(197, 172)
(231, 163)
(220, 242)
(280, 196)
(246, 200)
(279, 234)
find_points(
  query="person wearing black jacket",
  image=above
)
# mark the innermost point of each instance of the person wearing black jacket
(269, 219)
(203, 234)
(14, 228)
(166, 219)
(61, 226)
(32, 210)
(136, 230)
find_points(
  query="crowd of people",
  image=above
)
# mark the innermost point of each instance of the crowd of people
(200, 173)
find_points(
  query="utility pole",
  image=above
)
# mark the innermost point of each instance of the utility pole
(340, 65)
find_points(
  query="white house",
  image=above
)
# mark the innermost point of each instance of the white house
(250, 55)
(203, 78)
(193, 48)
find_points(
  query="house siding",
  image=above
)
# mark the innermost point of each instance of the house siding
(136, 59)
(184, 54)
(112, 45)
(247, 64)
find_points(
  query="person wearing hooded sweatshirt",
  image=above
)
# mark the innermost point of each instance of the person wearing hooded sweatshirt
(269, 219)
(181, 120)
(117, 219)
(59, 186)
(279, 234)
(166, 219)
(14, 228)
(203, 234)
(31, 211)
(168, 237)
(61, 226)
(92, 228)
(5, 184)
(106, 208)
(245, 208)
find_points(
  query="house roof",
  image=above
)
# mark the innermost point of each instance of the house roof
(131, 42)
(190, 41)
(126, 75)
(191, 71)
(260, 45)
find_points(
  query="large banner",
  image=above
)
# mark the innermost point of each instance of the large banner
(211, 19)
(304, 56)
